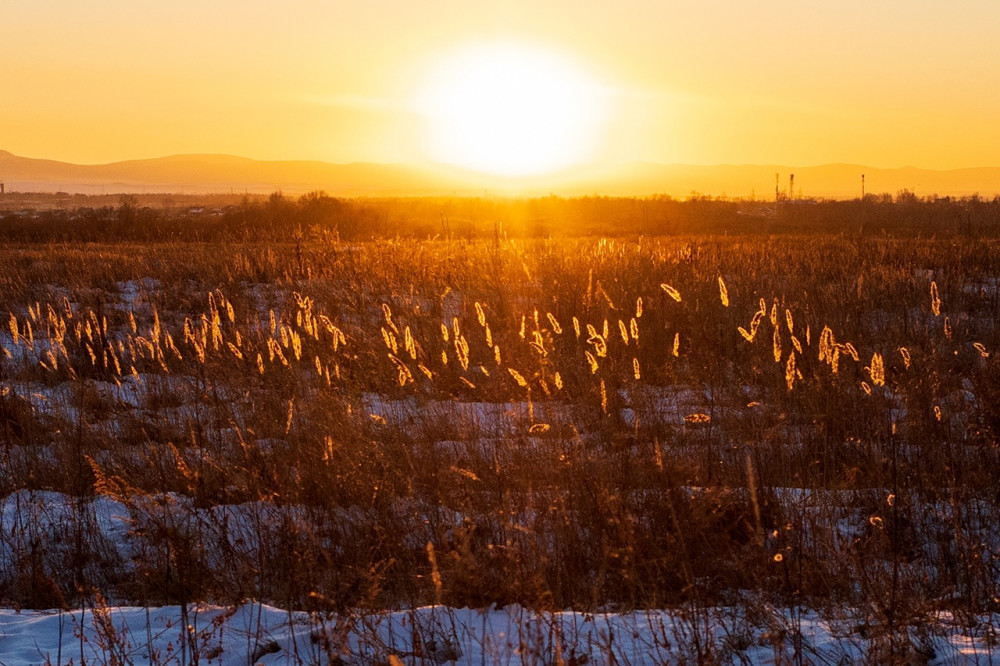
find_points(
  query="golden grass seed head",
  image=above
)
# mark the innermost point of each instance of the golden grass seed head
(790, 373)
(518, 377)
(671, 291)
(797, 344)
(409, 344)
(723, 293)
(826, 344)
(462, 352)
(600, 346)
(935, 299)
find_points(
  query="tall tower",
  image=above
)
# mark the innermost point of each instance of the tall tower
(791, 186)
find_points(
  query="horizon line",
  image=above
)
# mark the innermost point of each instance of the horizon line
(443, 165)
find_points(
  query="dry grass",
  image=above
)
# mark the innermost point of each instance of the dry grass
(576, 422)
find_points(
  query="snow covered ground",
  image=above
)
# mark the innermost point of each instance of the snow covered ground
(254, 633)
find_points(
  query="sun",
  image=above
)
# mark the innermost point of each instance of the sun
(510, 110)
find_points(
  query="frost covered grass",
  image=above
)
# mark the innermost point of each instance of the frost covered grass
(765, 444)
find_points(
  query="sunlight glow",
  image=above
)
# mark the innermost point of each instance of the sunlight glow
(511, 110)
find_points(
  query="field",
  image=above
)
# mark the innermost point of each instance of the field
(713, 432)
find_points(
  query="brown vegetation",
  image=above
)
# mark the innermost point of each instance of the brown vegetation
(644, 422)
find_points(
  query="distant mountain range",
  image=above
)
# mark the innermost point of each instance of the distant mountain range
(198, 174)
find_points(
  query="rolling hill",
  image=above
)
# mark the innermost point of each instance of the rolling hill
(225, 173)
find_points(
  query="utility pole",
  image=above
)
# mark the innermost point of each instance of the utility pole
(862, 187)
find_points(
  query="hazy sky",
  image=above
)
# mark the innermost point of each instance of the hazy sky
(883, 82)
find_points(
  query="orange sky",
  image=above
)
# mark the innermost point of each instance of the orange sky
(885, 83)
